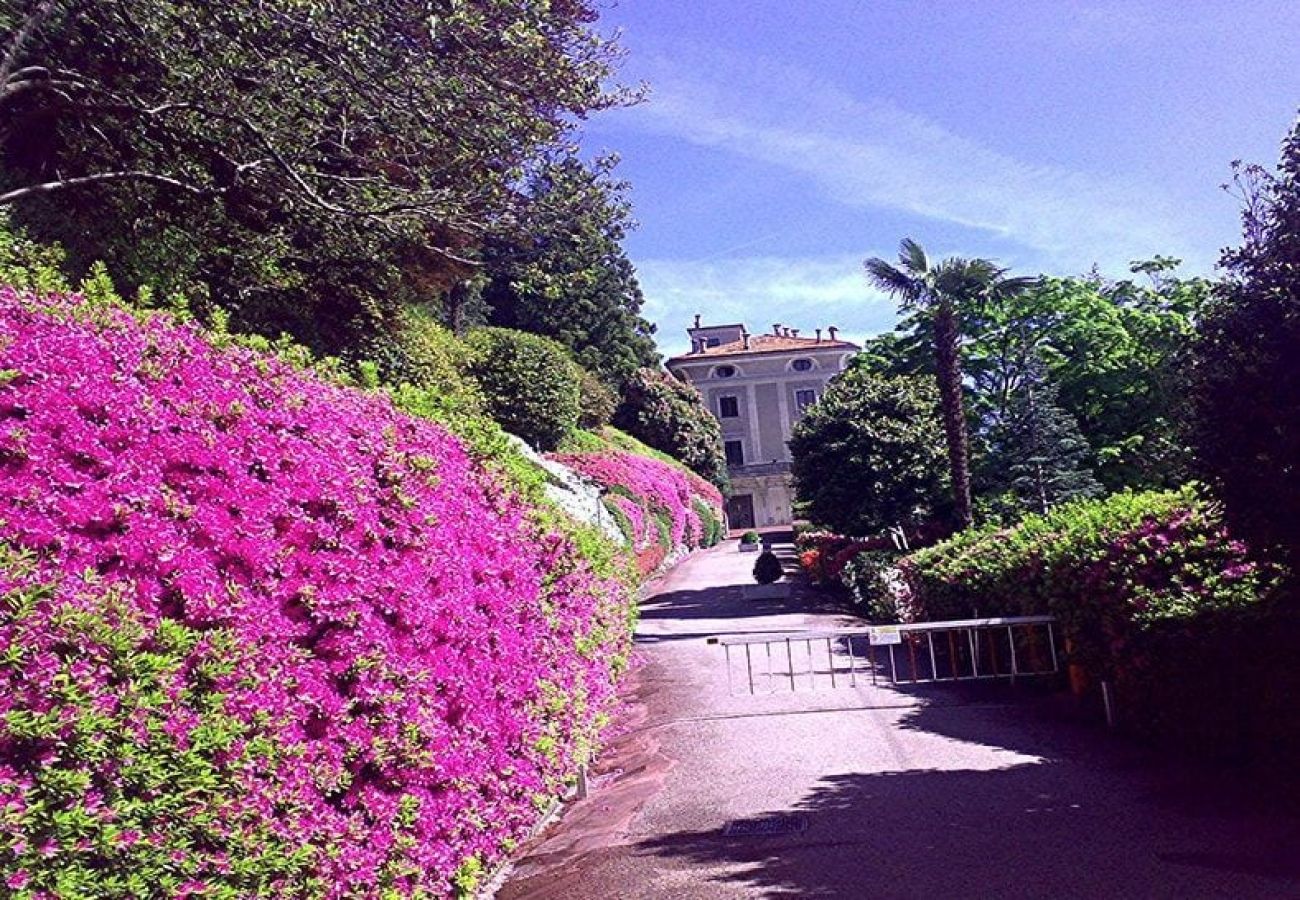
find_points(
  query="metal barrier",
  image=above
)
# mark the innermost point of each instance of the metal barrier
(962, 650)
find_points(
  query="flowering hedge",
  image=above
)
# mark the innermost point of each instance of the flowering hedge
(268, 635)
(644, 491)
(1116, 572)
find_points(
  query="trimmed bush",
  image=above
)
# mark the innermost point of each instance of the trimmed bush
(596, 402)
(531, 385)
(1140, 585)
(430, 659)
(876, 584)
(749, 537)
(767, 568)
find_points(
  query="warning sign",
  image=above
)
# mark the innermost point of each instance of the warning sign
(885, 634)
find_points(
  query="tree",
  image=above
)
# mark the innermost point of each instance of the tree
(670, 416)
(1037, 457)
(1246, 374)
(936, 292)
(1118, 351)
(869, 455)
(308, 166)
(562, 270)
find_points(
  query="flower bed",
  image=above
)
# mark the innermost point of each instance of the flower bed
(664, 508)
(353, 664)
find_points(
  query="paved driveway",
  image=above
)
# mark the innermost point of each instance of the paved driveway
(989, 792)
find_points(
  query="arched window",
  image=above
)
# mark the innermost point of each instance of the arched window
(802, 365)
(724, 372)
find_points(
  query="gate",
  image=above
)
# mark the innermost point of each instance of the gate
(924, 652)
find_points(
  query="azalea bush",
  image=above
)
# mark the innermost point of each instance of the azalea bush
(348, 662)
(1142, 586)
(662, 508)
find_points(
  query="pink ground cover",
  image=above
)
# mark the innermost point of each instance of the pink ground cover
(656, 486)
(429, 661)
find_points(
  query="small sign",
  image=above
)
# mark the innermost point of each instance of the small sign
(885, 634)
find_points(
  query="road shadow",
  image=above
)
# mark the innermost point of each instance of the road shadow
(1040, 829)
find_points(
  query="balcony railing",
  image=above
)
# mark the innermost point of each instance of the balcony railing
(780, 467)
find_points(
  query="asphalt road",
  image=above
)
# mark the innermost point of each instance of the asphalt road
(864, 791)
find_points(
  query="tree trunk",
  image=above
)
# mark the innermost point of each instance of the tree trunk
(948, 372)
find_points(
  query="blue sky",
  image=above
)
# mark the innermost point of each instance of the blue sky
(784, 141)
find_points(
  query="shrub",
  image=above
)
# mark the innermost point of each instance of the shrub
(876, 585)
(767, 568)
(870, 454)
(670, 416)
(596, 402)
(432, 660)
(662, 505)
(749, 537)
(418, 351)
(1135, 581)
(530, 383)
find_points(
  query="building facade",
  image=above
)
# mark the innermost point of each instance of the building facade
(758, 386)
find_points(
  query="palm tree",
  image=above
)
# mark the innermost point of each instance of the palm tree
(937, 291)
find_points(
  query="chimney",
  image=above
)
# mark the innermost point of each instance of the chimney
(832, 329)
(794, 332)
(744, 336)
(776, 329)
(819, 335)
(697, 320)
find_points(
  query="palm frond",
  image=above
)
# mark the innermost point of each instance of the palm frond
(892, 280)
(911, 256)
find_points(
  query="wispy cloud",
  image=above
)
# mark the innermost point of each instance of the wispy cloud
(872, 153)
(807, 293)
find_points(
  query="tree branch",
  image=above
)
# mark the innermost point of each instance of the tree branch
(103, 177)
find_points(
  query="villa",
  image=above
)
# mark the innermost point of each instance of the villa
(758, 386)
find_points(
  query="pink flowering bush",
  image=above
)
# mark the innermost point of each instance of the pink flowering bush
(663, 507)
(1139, 584)
(268, 635)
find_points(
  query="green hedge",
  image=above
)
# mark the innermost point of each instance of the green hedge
(531, 385)
(1149, 591)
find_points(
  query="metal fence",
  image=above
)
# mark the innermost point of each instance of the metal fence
(962, 650)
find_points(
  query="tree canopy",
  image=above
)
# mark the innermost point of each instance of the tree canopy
(1247, 364)
(310, 167)
(562, 270)
(869, 455)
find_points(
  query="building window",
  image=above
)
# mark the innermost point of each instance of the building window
(802, 365)
(735, 453)
(713, 342)
(728, 408)
(725, 371)
(804, 399)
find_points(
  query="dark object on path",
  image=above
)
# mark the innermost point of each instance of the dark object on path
(767, 568)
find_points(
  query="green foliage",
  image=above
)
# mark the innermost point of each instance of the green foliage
(709, 519)
(530, 384)
(1036, 457)
(420, 352)
(1116, 351)
(870, 454)
(308, 167)
(767, 568)
(1150, 593)
(1247, 364)
(670, 416)
(28, 265)
(876, 584)
(563, 272)
(596, 401)
(174, 810)
(749, 537)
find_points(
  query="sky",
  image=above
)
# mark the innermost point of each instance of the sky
(782, 142)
